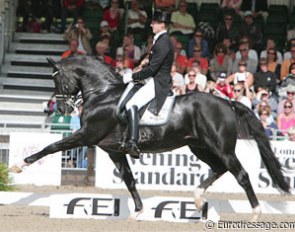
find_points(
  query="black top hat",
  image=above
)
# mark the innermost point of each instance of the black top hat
(162, 16)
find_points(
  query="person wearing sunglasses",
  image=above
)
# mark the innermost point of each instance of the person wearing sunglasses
(265, 78)
(239, 95)
(198, 40)
(227, 29)
(286, 119)
(290, 96)
(270, 128)
(265, 97)
(221, 62)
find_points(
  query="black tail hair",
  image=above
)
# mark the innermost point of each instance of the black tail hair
(250, 126)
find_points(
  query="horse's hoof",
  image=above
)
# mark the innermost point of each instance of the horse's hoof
(256, 214)
(15, 169)
(135, 216)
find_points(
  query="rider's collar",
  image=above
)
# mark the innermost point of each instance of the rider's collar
(158, 34)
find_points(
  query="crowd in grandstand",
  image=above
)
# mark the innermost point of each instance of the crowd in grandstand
(233, 59)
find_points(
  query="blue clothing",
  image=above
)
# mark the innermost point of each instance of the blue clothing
(204, 46)
(270, 128)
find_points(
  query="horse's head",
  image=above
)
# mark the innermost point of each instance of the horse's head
(66, 86)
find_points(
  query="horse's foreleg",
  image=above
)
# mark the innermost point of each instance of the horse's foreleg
(122, 164)
(64, 144)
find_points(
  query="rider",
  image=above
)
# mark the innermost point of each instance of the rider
(157, 78)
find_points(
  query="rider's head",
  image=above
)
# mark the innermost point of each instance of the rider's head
(160, 21)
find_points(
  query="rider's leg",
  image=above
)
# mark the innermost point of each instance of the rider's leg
(144, 95)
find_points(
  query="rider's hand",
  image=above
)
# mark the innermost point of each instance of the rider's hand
(127, 77)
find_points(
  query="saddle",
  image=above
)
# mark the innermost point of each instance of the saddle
(147, 118)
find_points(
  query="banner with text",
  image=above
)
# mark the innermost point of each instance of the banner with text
(181, 170)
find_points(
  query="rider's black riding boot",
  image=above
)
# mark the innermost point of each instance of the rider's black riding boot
(133, 120)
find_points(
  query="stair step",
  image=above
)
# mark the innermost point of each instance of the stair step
(27, 72)
(28, 60)
(23, 98)
(48, 38)
(28, 84)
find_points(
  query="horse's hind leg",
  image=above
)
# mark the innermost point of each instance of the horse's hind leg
(218, 169)
(236, 168)
(123, 166)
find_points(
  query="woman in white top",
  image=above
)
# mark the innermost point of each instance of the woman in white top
(241, 75)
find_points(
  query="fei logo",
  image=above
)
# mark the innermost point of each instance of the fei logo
(94, 206)
(114, 207)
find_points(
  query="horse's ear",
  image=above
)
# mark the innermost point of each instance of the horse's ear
(52, 62)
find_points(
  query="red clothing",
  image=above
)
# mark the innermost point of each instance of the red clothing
(203, 63)
(227, 90)
(113, 22)
(109, 60)
(181, 60)
(78, 3)
(68, 53)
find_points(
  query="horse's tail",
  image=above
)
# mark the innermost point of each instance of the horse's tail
(250, 126)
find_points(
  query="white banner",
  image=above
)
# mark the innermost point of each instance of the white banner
(46, 171)
(180, 170)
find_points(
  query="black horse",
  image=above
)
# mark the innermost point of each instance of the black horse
(207, 124)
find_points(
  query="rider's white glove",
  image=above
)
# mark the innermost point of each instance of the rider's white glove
(127, 77)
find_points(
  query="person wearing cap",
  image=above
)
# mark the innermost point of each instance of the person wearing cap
(257, 7)
(104, 30)
(158, 80)
(224, 89)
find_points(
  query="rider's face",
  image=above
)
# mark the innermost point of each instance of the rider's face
(157, 26)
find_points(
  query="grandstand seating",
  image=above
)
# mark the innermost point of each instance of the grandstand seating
(26, 78)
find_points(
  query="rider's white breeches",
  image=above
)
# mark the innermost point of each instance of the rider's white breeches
(143, 96)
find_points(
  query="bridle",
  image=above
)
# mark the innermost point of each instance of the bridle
(69, 100)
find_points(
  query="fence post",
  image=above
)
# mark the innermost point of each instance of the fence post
(90, 165)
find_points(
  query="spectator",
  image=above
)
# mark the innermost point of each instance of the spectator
(178, 80)
(101, 49)
(73, 8)
(25, 9)
(182, 22)
(287, 66)
(113, 15)
(137, 19)
(232, 6)
(264, 97)
(129, 49)
(287, 53)
(272, 63)
(290, 77)
(264, 78)
(258, 8)
(291, 32)
(201, 42)
(180, 59)
(192, 86)
(119, 65)
(104, 30)
(174, 41)
(144, 59)
(230, 48)
(73, 51)
(271, 44)
(166, 4)
(251, 63)
(227, 29)
(210, 87)
(251, 53)
(224, 90)
(220, 63)
(44, 8)
(78, 153)
(242, 75)
(290, 96)
(81, 33)
(204, 66)
(269, 127)
(286, 120)
(252, 30)
(291, 134)
(239, 95)
(201, 79)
